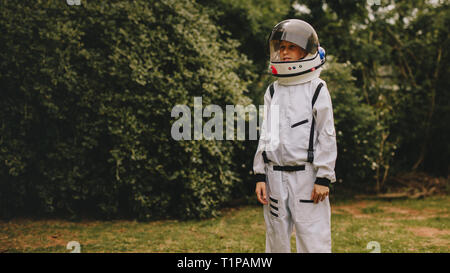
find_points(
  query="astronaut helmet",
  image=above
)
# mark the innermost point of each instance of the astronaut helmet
(294, 49)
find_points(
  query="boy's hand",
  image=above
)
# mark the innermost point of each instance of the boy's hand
(319, 193)
(261, 192)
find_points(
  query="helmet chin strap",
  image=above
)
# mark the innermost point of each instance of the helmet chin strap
(301, 78)
(299, 73)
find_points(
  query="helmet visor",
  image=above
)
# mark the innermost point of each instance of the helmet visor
(294, 31)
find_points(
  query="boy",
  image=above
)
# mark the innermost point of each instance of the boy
(295, 159)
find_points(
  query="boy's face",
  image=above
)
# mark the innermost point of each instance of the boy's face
(291, 52)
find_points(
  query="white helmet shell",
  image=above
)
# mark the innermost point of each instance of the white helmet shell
(302, 34)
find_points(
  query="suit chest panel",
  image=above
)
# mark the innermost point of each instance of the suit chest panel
(294, 106)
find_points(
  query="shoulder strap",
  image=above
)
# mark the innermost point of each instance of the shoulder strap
(272, 90)
(311, 133)
(316, 94)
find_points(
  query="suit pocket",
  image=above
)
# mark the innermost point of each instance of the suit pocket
(306, 211)
(299, 123)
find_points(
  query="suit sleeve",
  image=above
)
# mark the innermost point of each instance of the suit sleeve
(326, 149)
(258, 161)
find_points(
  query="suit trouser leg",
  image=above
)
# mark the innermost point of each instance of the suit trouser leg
(312, 221)
(314, 236)
(277, 215)
(287, 193)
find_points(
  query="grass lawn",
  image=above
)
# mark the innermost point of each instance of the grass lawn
(398, 226)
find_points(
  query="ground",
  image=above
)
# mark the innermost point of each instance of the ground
(397, 226)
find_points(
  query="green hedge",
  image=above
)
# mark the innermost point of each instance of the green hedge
(358, 131)
(87, 94)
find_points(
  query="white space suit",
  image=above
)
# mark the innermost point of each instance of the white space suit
(281, 159)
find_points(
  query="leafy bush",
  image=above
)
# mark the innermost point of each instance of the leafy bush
(357, 129)
(87, 93)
